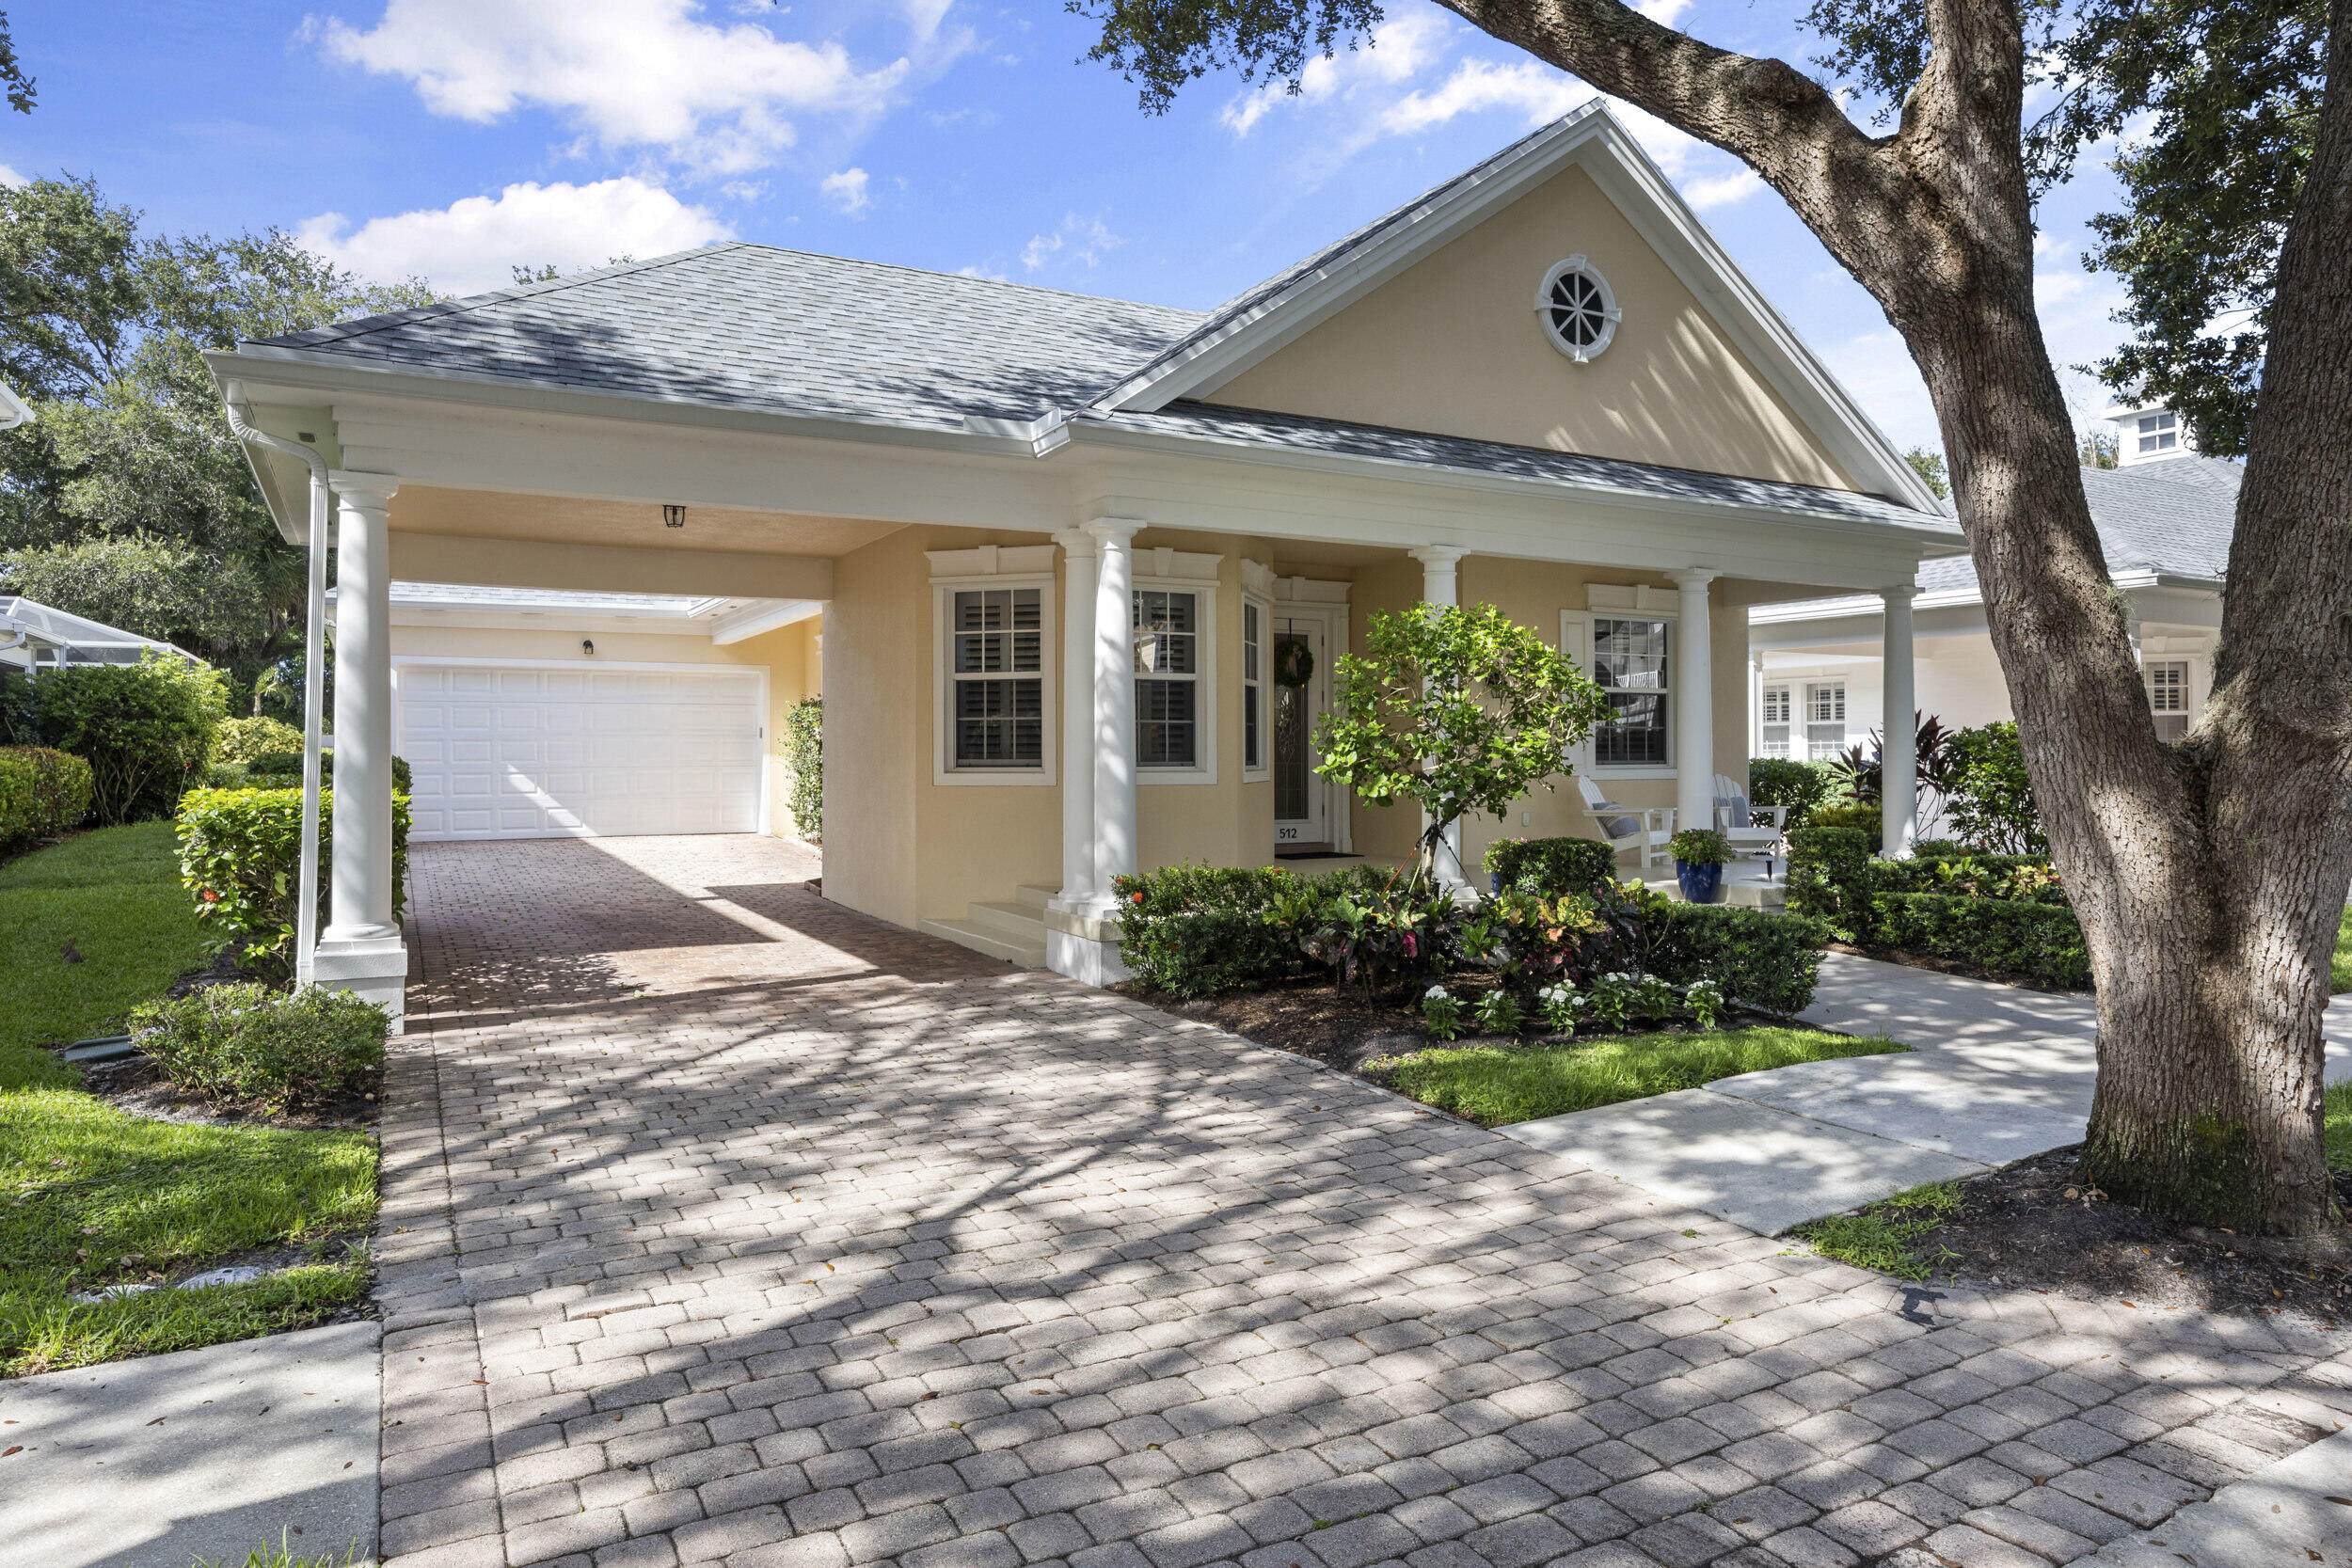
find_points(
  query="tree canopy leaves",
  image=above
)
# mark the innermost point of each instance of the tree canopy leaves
(127, 499)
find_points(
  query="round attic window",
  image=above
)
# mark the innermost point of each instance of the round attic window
(1578, 313)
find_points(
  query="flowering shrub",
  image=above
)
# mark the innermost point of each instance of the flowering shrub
(1562, 1005)
(1441, 1013)
(1614, 995)
(1499, 1012)
(1703, 1000)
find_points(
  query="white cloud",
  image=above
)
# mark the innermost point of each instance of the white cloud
(1080, 239)
(629, 73)
(470, 245)
(1375, 89)
(1398, 50)
(980, 271)
(9, 178)
(846, 190)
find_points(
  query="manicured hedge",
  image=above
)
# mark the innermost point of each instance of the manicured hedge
(1828, 872)
(1194, 930)
(1802, 786)
(42, 793)
(2042, 943)
(242, 740)
(1921, 905)
(1762, 959)
(802, 745)
(1548, 867)
(271, 765)
(240, 859)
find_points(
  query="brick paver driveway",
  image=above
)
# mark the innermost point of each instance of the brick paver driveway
(724, 1225)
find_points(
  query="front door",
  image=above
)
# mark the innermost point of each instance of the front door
(1302, 812)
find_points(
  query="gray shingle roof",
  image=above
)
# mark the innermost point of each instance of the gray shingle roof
(784, 331)
(2173, 517)
(1298, 432)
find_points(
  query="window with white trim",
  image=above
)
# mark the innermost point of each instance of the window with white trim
(1166, 624)
(1775, 709)
(997, 679)
(1255, 613)
(1580, 314)
(1629, 666)
(2168, 696)
(1824, 719)
(2159, 431)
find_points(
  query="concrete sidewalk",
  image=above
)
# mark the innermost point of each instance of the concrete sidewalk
(203, 1453)
(1995, 1074)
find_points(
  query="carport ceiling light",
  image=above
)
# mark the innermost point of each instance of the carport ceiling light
(673, 516)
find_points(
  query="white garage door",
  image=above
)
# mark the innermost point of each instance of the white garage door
(513, 752)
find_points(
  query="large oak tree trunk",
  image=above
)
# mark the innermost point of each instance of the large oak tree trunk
(2210, 876)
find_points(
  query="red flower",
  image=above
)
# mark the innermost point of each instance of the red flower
(1137, 896)
(207, 896)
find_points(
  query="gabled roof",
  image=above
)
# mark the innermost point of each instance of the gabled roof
(2170, 521)
(1244, 330)
(748, 327)
(786, 331)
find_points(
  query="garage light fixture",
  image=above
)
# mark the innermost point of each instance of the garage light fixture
(673, 516)
(588, 646)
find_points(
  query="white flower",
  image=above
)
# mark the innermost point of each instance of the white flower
(1437, 993)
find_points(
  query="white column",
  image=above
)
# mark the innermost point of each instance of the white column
(1442, 585)
(1691, 686)
(360, 950)
(1077, 721)
(1898, 769)
(1114, 705)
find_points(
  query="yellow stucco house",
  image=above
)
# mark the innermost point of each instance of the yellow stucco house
(1076, 569)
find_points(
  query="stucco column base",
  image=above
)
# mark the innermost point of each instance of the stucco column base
(372, 968)
(1084, 957)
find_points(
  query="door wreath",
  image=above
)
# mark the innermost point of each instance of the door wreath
(1294, 662)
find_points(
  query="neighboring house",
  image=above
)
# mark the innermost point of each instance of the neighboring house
(525, 713)
(2163, 516)
(36, 636)
(1069, 549)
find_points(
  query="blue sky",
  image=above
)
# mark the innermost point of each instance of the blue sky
(454, 138)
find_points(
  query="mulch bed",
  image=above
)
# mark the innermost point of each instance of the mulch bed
(2034, 1225)
(1951, 966)
(138, 1085)
(1315, 1019)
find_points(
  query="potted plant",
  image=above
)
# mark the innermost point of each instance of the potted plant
(1699, 855)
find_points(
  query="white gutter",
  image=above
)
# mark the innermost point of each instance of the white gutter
(313, 686)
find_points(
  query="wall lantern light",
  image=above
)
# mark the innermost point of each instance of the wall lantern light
(588, 647)
(673, 516)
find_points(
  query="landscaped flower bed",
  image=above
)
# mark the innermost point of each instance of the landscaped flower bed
(1596, 989)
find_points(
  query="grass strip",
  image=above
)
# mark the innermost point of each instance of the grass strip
(1881, 1237)
(1497, 1085)
(115, 896)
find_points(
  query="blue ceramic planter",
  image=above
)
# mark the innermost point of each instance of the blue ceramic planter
(1701, 884)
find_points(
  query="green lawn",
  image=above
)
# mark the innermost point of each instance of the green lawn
(2340, 967)
(116, 895)
(91, 1195)
(1880, 1236)
(1495, 1087)
(2336, 1118)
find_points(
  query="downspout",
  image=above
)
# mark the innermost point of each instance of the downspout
(313, 685)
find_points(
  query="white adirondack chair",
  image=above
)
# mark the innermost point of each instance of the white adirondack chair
(1752, 829)
(1645, 830)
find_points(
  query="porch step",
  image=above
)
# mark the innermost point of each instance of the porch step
(1014, 932)
(1032, 897)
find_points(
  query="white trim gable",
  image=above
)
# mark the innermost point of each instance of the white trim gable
(1594, 139)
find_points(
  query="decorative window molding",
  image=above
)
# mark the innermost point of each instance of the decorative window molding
(1774, 711)
(1262, 582)
(1175, 673)
(1578, 309)
(1257, 715)
(991, 561)
(1620, 595)
(993, 657)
